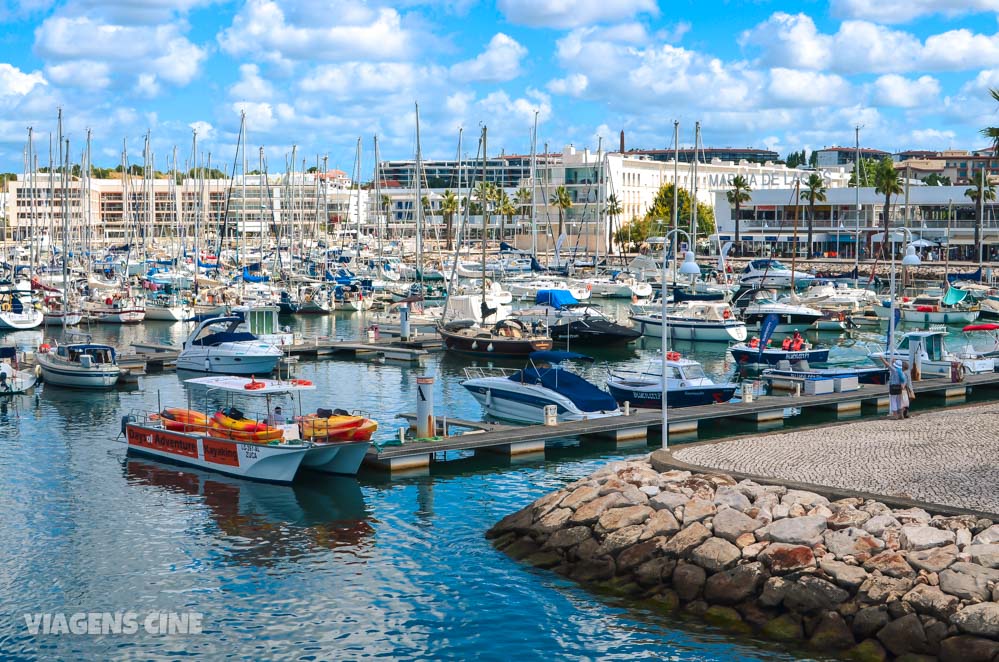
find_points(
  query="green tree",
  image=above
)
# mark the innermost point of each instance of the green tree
(792, 160)
(738, 194)
(813, 159)
(561, 200)
(867, 168)
(523, 198)
(992, 132)
(506, 209)
(936, 179)
(614, 210)
(6, 177)
(815, 191)
(887, 183)
(660, 215)
(986, 193)
(449, 207)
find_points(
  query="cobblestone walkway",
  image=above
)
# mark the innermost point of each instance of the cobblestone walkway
(947, 457)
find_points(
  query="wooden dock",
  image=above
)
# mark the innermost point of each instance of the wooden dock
(766, 411)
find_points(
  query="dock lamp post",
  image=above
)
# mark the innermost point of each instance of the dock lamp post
(689, 268)
(910, 260)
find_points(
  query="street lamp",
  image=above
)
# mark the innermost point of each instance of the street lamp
(690, 268)
(910, 260)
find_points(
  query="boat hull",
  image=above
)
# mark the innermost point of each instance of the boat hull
(491, 345)
(592, 332)
(167, 313)
(88, 378)
(728, 331)
(63, 319)
(343, 457)
(263, 462)
(227, 363)
(650, 397)
(525, 404)
(774, 356)
(29, 319)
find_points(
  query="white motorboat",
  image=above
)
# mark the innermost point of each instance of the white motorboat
(687, 385)
(620, 286)
(708, 321)
(839, 296)
(522, 395)
(13, 380)
(527, 290)
(927, 354)
(792, 317)
(262, 321)
(771, 273)
(930, 309)
(570, 322)
(217, 345)
(79, 365)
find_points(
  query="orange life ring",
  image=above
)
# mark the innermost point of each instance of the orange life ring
(727, 314)
(253, 385)
(44, 348)
(673, 356)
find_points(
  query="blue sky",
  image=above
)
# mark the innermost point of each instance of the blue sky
(321, 73)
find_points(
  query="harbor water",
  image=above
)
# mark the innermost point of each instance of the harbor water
(328, 568)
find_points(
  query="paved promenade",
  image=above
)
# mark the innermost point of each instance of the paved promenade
(948, 457)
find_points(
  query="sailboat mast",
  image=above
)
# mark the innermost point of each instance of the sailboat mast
(693, 201)
(600, 200)
(485, 218)
(358, 185)
(534, 186)
(419, 203)
(379, 230)
(65, 228)
(794, 253)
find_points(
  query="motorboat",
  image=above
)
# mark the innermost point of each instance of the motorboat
(618, 286)
(686, 383)
(927, 354)
(755, 305)
(510, 338)
(522, 395)
(951, 308)
(771, 273)
(218, 345)
(261, 320)
(17, 311)
(79, 365)
(570, 321)
(115, 309)
(527, 290)
(753, 353)
(225, 441)
(990, 331)
(839, 296)
(707, 321)
(788, 377)
(13, 379)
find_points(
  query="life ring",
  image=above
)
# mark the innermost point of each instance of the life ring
(672, 356)
(253, 385)
(589, 287)
(6, 306)
(727, 314)
(300, 382)
(44, 348)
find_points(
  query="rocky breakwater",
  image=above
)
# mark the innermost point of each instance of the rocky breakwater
(848, 577)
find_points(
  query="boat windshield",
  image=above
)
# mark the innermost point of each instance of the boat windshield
(693, 372)
(777, 266)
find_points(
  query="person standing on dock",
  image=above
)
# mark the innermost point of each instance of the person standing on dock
(898, 402)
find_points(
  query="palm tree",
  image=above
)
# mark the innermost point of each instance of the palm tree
(524, 199)
(386, 203)
(888, 183)
(562, 201)
(449, 207)
(736, 196)
(986, 193)
(614, 210)
(992, 132)
(483, 194)
(506, 209)
(815, 191)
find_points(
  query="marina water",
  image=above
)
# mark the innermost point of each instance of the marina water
(328, 568)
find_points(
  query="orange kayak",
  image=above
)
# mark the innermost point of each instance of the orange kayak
(268, 434)
(337, 428)
(183, 420)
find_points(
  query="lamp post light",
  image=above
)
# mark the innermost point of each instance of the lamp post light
(910, 260)
(689, 268)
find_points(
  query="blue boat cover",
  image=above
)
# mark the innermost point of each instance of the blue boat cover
(8, 352)
(250, 278)
(954, 296)
(555, 298)
(555, 356)
(974, 275)
(582, 393)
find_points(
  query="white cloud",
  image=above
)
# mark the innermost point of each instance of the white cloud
(793, 87)
(259, 116)
(85, 74)
(365, 80)
(134, 12)
(14, 82)
(573, 85)
(932, 138)
(902, 11)
(573, 13)
(498, 63)
(351, 32)
(204, 129)
(895, 90)
(251, 86)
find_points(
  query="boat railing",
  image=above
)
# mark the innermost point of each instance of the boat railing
(479, 372)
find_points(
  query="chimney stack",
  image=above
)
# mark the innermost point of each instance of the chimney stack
(622, 141)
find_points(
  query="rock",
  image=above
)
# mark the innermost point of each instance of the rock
(898, 609)
(590, 512)
(639, 475)
(851, 542)
(786, 627)
(794, 530)
(868, 650)
(912, 516)
(985, 555)
(585, 550)
(781, 558)
(796, 510)
(774, 590)
(593, 570)
(578, 497)
(780, 511)
(745, 540)
(618, 518)
(963, 538)
(988, 536)
(733, 498)
(968, 581)
(696, 510)
(848, 576)
(932, 601)
(727, 619)
(649, 490)
(806, 499)
(933, 560)
(754, 614)
(831, 633)
(810, 594)
(715, 555)
(518, 522)
(635, 495)
(544, 559)
(688, 580)
(522, 548)
(890, 563)
(847, 518)
(547, 503)
(730, 524)
(686, 540)
(981, 619)
(875, 508)
(904, 635)
(868, 621)
(918, 538)
(821, 511)
(638, 553)
(699, 487)
(696, 608)
(667, 501)
(660, 523)
(568, 537)
(655, 571)
(879, 589)
(736, 585)
(966, 648)
(877, 524)
(752, 551)
(616, 541)
(750, 489)
(554, 520)
(666, 600)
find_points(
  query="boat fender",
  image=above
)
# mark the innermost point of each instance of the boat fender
(6, 307)
(727, 314)
(38, 372)
(489, 348)
(44, 348)
(109, 301)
